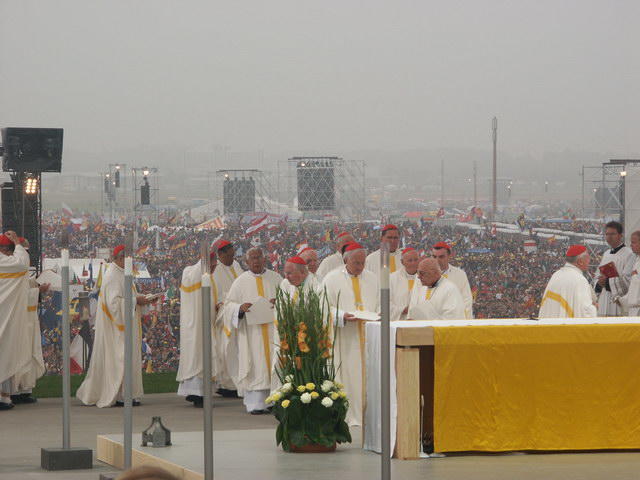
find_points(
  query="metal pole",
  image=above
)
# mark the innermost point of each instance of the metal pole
(583, 215)
(495, 170)
(442, 183)
(128, 358)
(206, 362)
(385, 361)
(475, 184)
(66, 363)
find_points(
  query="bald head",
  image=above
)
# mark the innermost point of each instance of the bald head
(255, 260)
(429, 272)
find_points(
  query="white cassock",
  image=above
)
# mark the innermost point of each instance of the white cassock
(568, 295)
(440, 302)
(103, 385)
(255, 342)
(631, 301)
(458, 277)
(190, 367)
(328, 264)
(227, 345)
(25, 380)
(373, 262)
(350, 293)
(624, 258)
(400, 286)
(14, 342)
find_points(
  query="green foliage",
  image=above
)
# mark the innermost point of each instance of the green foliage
(310, 406)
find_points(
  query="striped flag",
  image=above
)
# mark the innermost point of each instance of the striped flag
(142, 250)
(178, 245)
(257, 225)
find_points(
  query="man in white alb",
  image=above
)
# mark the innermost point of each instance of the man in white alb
(226, 272)
(14, 266)
(623, 258)
(568, 293)
(436, 298)
(351, 289)
(441, 251)
(333, 261)
(310, 256)
(103, 385)
(631, 301)
(390, 235)
(401, 283)
(255, 335)
(190, 367)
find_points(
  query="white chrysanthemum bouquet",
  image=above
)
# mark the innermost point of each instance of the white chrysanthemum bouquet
(310, 406)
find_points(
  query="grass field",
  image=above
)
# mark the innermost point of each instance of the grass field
(51, 385)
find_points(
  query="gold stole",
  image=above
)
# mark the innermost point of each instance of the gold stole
(265, 326)
(428, 293)
(392, 263)
(411, 282)
(233, 271)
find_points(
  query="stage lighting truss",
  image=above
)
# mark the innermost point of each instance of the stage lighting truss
(244, 191)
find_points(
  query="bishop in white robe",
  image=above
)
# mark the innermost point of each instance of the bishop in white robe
(631, 301)
(103, 385)
(255, 340)
(401, 284)
(226, 272)
(335, 260)
(310, 256)
(390, 235)
(442, 252)
(14, 343)
(436, 298)
(190, 367)
(568, 293)
(623, 258)
(349, 290)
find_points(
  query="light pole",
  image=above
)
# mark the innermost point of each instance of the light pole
(495, 169)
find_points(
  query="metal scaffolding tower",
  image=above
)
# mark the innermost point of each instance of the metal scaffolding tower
(323, 185)
(244, 191)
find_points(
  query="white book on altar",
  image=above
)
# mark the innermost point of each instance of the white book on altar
(260, 312)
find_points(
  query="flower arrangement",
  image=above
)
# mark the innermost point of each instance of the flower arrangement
(310, 405)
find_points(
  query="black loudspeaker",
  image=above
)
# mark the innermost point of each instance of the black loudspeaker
(32, 149)
(145, 194)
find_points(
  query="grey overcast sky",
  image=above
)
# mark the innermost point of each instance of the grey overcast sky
(328, 76)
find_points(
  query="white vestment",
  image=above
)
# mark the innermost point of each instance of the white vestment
(227, 345)
(400, 286)
(568, 295)
(190, 367)
(14, 285)
(624, 258)
(328, 264)
(25, 380)
(348, 293)
(631, 301)
(373, 262)
(440, 302)
(255, 342)
(458, 277)
(103, 385)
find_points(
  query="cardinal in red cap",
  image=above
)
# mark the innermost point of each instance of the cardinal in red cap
(295, 274)
(568, 293)
(351, 289)
(441, 251)
(391, 236)
(310, 256)
(333, 261)
(14, 287)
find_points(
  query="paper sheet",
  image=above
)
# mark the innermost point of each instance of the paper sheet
(261, 312)
(364, 315)
(48, 276)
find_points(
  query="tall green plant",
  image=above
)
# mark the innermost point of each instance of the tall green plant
(310, 406)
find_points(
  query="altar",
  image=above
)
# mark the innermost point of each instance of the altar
(507, 385)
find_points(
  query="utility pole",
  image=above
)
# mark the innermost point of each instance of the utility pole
(475, 184)
(442, 183)
(495, 170)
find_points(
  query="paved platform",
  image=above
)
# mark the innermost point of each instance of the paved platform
(246, 448)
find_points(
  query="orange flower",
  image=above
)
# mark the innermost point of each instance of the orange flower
(284, 345)
(301, 337)
(304, 348)
(302, 327)
(299, 363)
(326, 354)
